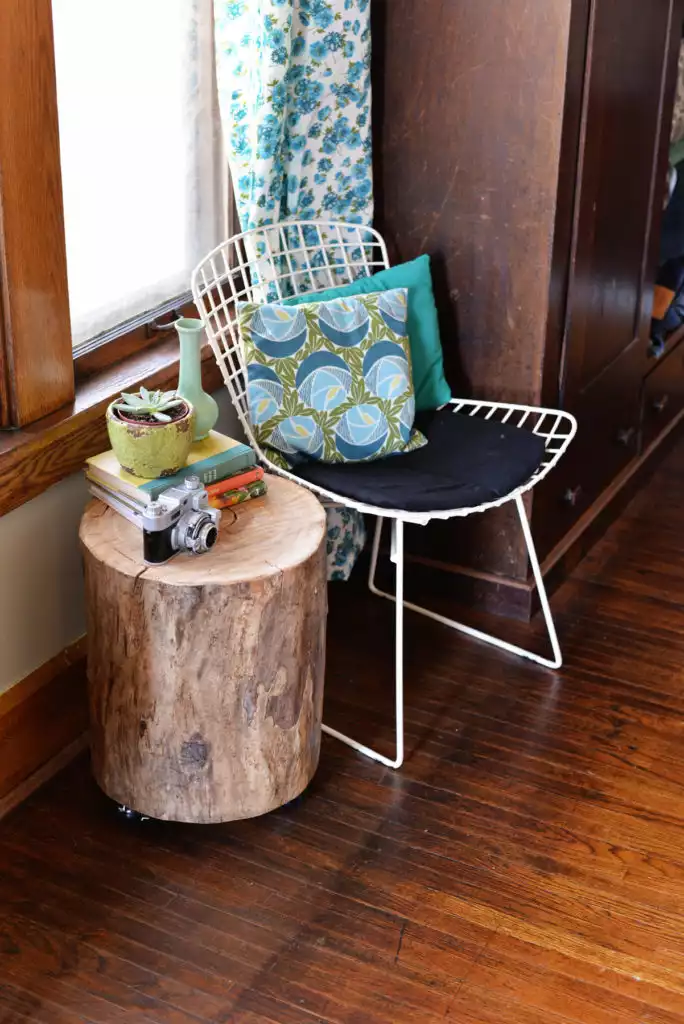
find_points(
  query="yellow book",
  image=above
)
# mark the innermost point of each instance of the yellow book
(213, 459)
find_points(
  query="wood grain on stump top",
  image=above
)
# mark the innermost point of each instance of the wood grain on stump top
(206, 673)
(269, 535)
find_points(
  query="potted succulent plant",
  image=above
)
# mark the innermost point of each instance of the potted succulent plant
(151, 432)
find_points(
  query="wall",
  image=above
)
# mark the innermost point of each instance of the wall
(41, 588)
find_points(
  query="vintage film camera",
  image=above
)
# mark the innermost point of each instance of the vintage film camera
(179, 520)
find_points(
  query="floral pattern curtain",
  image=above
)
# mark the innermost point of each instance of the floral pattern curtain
(294, 87)
(295, 96)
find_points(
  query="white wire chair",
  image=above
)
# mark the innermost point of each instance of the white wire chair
(289, 258)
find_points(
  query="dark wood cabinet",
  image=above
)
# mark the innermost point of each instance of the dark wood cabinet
(524, 146)
(608, 417)
(616, 178)
(663, 395)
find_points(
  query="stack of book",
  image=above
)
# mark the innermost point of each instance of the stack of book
(226, 468)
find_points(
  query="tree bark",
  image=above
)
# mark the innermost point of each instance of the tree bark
(206, 673)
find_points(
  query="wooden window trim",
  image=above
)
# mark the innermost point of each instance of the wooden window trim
(36, 359)
(45, 452)
(39, 373)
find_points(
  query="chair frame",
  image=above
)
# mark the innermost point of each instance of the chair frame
(263, 264)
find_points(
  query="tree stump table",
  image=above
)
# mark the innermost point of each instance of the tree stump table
(206, 673)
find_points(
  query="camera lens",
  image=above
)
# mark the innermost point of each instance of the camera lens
(208, 536)
(196, 532)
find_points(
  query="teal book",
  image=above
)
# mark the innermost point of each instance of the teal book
(215, 458)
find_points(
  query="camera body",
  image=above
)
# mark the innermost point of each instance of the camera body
(179, 520)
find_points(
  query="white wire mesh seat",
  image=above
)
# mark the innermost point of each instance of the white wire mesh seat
(305, 257)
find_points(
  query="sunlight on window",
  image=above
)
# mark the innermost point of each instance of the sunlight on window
(140, 150)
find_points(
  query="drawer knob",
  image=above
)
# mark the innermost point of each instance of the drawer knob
(572, 495)
(660, 404)
(625, 436)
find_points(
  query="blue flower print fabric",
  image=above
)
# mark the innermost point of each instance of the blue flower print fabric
(294, 88)
(345, 541)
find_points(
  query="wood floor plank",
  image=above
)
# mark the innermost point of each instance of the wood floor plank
(218, 934)
(221, 956)
(69, 997)
(22, 1005)
(52, 944)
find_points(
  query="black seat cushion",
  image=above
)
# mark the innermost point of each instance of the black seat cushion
(468, 461)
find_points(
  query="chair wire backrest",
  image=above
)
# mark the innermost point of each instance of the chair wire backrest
(271, 263)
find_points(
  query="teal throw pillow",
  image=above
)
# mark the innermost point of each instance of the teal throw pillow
(331, 380)
(429, 382)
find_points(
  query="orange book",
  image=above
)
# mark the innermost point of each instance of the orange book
(230, 498)
(232, 482)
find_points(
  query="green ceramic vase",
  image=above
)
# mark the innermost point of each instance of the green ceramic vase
(190, 378)
(151, 450)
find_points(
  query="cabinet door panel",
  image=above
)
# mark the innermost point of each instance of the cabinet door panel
(624, 107)
(663, 397)
(607, 441)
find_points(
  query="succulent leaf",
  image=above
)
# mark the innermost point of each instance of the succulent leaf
(149, 403)
(133, 401)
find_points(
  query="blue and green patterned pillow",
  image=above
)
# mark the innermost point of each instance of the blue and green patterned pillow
(331, 380)
(427, 362)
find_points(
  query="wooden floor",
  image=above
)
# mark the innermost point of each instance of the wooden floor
(526, 865)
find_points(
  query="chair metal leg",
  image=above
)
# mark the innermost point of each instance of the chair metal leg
(398, 559)
(554, 662)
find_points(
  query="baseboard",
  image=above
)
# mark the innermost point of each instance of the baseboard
(43, 722)
(24, 790)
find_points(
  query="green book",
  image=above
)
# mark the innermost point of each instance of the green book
(213, 459)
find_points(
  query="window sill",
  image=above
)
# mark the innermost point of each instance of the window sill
(40, 455)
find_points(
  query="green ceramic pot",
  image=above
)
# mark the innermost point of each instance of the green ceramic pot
(151, 450)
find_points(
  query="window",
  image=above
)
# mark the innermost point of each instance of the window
(98, 234)
(142, 173)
